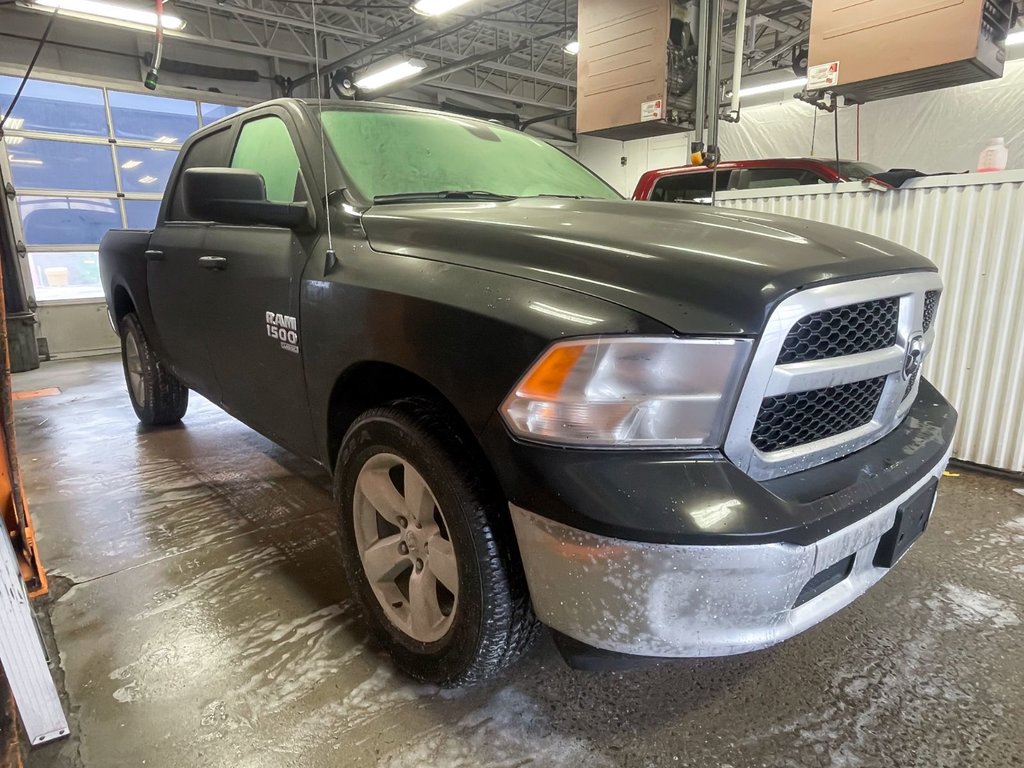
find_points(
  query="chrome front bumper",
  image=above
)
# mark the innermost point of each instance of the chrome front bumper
(691, 601)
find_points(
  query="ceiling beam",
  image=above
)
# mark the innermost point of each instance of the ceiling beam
(361, 37)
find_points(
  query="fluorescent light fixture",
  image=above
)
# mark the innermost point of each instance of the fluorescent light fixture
(785, 85)
(572, 47)
(437, 7)
(111, 12)
(147, 179)
(129, 164)
(25, 161)
(1016, 38)
(14, 123)
(166, 140)
(13, 140)
(389, 74)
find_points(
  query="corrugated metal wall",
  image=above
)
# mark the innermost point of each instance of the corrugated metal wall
(972, 227)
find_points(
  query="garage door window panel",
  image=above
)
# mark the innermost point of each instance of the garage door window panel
(141, 214)
(152, 118)
(211, 113)
(88, 159)
(48, 164)
(265, 146)
(54, 107)
(145, 169)
(48, 221)
(62, 275)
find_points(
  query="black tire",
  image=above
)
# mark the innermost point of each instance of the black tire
(494, 622)
(159, 398)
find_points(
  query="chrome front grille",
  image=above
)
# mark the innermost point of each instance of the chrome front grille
(805, 417)
(836, 369)
(841, 331)
(931, 304)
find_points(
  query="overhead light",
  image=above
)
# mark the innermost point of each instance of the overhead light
(572, 47)
(14, 123)
(128, 165)
(437, 7)
(113, 13)
(25, 161)
(389, 74)
(147, 179)
(12, 140)
(166, 140)
(785, 85)
(1017, 38)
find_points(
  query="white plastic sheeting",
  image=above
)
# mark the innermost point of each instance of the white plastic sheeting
(935, 132)
(972, 227)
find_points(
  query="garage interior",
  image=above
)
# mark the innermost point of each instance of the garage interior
(180, 589)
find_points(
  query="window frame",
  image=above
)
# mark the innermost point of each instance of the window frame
(167, 200)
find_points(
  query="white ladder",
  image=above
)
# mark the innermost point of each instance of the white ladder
(23, 656)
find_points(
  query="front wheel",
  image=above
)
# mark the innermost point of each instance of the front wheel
(157, 395)
(427, 547)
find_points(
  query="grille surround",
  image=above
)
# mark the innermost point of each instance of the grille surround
(767, 377)
(848, 330)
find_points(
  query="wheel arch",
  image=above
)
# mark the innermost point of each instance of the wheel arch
(373, 383)
(122, 304)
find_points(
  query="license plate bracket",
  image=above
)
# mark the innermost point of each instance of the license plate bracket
(911, 520)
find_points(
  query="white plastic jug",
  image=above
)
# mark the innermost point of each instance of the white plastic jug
(994, 157)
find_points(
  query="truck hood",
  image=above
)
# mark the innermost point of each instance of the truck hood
(693, 268)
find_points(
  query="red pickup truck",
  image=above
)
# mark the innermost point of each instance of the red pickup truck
(692, 183)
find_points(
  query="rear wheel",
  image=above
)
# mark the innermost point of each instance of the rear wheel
(157, 395)
(428, 547)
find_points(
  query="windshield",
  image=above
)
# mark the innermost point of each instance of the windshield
(857, 171)
(404, 153)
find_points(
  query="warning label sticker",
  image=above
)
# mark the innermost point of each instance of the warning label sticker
(652, 110)
(823, 76)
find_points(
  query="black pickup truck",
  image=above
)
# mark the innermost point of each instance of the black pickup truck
(661, 432)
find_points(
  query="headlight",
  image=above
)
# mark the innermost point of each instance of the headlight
(627, 391)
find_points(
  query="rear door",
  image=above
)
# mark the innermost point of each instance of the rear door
(177, 285)
(255, 330)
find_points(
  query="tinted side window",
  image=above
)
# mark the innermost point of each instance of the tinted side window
(692, 187)
(265, 146)
(761, 178)
(210, 151)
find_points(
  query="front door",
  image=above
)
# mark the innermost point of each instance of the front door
(178, 286)
(255, 274)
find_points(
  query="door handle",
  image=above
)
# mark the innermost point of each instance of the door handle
(212, 262)
(155, 255)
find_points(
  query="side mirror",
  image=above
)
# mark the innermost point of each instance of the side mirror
(237, 196)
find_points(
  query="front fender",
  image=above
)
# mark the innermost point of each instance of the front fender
(467, 332)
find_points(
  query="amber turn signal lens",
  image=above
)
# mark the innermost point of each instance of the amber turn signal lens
(547, 378)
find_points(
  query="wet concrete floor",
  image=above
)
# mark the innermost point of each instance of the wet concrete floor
(208, 624)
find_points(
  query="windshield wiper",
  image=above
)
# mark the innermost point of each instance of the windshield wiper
(449, 194)
(568, 197)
